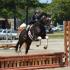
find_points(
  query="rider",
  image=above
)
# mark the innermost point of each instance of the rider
(34, 18)
(36, 15)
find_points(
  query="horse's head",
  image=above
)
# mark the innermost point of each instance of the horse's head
(44, 19)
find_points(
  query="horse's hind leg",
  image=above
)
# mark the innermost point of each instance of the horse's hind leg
(27, 47)
(21, 43)
(16, 48)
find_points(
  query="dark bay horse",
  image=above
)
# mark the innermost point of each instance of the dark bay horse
(35, 30)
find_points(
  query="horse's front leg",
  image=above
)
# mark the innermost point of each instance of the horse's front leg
(39, 38)
(45, 47)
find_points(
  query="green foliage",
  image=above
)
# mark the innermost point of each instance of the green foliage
(61, 8)
(10, 7)
(58, 8)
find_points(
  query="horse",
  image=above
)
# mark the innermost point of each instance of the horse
(35, 30)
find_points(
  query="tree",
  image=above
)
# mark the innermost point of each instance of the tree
(10, 8)
(60, 8)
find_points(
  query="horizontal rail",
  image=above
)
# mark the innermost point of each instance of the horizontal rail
(7, 45)
(27, 62)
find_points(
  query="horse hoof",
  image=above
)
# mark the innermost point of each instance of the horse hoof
(37, 45)
(26, 52)
(45, 47)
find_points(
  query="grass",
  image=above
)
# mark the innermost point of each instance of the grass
(57, 35)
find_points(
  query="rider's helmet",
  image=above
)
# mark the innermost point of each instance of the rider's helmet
(37, 12)
(36, 15)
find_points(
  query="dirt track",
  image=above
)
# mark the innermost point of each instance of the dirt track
(54, 45)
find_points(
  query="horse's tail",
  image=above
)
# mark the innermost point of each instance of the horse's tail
(16, 47)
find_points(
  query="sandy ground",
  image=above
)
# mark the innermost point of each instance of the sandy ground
(53, 46)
